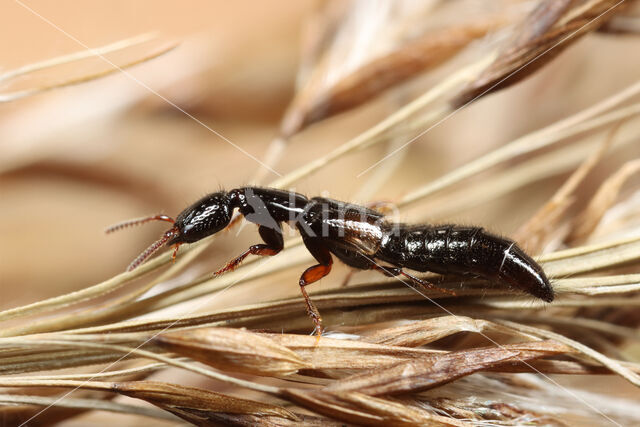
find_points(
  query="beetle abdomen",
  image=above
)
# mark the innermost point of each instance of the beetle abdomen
(464, 250)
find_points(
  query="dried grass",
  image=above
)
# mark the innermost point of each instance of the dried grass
(394, 355)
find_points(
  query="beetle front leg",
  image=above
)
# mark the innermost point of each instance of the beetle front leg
(272, 246)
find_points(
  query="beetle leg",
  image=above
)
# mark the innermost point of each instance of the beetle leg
(313, 274)
(272, 246)
(395, 271)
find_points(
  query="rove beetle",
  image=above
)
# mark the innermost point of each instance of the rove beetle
(356, 235)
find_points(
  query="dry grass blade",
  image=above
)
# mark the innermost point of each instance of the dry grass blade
(83, 54)
(585, 223)
(440, 369)
(60, 409)
(205, 408)
(282, 354)
(373, 135)
(334, 356)
(82, 295)
(587, 119)
(563, 367)
(136, 372)
(423, 332)
(578, 323)
(507, 182)
(614, 365)
(361, 409)
(316, 102)
(75, 80)
(605, 256)
(113, 309)
(589, 250)
(253, 314)
(53, 359)
(233, 350)
(16, 413)
(19, 405)
(534, 233)
(123, 351)
(546, 32)
(94, 291)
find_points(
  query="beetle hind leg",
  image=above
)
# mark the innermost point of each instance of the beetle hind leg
(396, 271)
(313, 274)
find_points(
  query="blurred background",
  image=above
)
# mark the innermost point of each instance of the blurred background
(78, 159)
(211, 90)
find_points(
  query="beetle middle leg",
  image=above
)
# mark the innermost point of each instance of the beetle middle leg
(273, 244)
(313, 274)
(396, 271)
(353, 259)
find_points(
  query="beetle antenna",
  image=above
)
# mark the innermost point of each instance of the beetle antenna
(152, 248)
(138, 221)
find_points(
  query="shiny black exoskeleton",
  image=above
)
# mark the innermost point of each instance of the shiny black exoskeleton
(358, 236)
